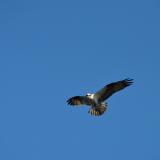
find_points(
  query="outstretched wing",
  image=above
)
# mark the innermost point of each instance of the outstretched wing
(112, 88)
(78, 100)
(98, 110)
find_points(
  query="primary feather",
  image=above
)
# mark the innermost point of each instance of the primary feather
(112, 88)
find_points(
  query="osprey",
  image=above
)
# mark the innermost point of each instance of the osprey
(97, 100)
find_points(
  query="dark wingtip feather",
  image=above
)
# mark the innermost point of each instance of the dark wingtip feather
(69, 101)
(128, 81)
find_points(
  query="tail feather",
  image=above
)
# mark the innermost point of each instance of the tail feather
(98, 110)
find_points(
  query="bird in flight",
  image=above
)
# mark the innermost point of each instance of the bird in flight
(97, 100)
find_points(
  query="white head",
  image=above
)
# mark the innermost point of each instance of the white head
(89, 95)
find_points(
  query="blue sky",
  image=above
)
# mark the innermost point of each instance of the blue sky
(52, 50)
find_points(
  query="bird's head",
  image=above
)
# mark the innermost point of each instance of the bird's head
(89, 95)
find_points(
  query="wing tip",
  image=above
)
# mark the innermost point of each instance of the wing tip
(128, 81)
(69, 101)
(72, 101)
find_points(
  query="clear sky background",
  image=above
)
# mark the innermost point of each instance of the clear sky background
(52, 50)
